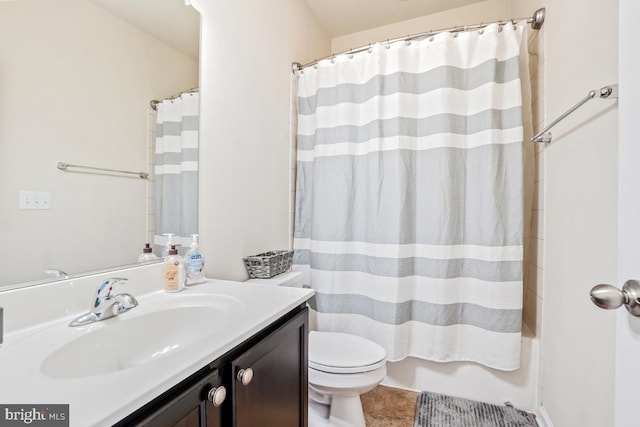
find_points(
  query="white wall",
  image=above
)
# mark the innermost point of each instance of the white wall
(580, 212)
(486, 11)
(246, 52)
(75, 85)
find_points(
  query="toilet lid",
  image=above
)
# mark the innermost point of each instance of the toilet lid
(336, 352)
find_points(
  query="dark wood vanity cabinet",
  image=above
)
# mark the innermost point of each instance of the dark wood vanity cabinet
(276, 393)
(265, 380)
(187, 406)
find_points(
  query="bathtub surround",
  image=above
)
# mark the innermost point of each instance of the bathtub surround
(176, 170)
(409, 209)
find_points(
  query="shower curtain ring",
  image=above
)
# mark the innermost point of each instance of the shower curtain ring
(388, 46)
(369, 50)
(350, 53)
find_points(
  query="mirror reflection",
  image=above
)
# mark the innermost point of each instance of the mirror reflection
(76, 81)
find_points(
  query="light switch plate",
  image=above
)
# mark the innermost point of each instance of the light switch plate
(35, 200)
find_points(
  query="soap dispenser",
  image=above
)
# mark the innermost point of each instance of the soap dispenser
(167, 246)
(147, 254)
(174, 274)
(194, 263)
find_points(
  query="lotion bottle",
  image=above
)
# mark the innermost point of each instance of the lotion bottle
(174, 274)
(194, 263)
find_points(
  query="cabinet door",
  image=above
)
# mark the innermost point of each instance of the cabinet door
(194, 407)
(276, 393)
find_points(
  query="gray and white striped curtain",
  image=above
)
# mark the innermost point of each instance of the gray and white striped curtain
(176, 170)
(409, 195)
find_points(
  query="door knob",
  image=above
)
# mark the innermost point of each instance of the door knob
(609, 297)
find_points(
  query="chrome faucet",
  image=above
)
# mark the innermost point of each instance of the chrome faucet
(106, 305)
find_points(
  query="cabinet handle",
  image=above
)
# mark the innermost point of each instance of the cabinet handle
(217, 395)
(245, 376)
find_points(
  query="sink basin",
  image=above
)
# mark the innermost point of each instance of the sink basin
(125, 341)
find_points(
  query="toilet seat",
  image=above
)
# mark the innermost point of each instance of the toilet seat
(339, 353)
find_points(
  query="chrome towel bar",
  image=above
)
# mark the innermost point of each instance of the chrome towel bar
(607, 92)
(64, 166)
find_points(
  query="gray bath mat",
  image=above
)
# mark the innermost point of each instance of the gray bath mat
(438, 410)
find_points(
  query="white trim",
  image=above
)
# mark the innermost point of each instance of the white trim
(543, 419)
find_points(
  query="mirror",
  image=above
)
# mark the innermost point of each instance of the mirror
(76, 79)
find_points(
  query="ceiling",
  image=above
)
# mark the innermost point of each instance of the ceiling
(179, 26)
(170, 21)
(340, 17)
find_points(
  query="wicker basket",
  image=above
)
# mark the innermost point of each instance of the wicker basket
(268, 264)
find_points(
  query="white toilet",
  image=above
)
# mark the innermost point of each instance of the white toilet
(341, 368)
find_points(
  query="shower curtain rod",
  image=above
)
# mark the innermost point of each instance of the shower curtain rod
(536, 22)
(154, 102)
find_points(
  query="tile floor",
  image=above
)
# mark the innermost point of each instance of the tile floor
(389, 407)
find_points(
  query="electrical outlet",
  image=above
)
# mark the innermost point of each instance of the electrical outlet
(35, 200)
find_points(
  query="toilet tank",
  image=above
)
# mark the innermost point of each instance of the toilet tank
(294, 279)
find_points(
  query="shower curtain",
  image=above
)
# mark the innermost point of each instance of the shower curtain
(409, 195)
(176, 170)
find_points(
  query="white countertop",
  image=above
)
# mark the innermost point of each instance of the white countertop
(104, 399)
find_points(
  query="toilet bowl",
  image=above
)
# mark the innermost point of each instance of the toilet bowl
(341, 368)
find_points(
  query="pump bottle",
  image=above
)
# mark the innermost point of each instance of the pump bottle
(167, 246)
(147, 254)
(194, 263)
(174, 274)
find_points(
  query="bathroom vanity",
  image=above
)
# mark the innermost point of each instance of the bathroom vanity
(262, 382)
(218, 354)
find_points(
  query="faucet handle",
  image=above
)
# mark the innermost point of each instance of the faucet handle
(105, 288)
(56, 273)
